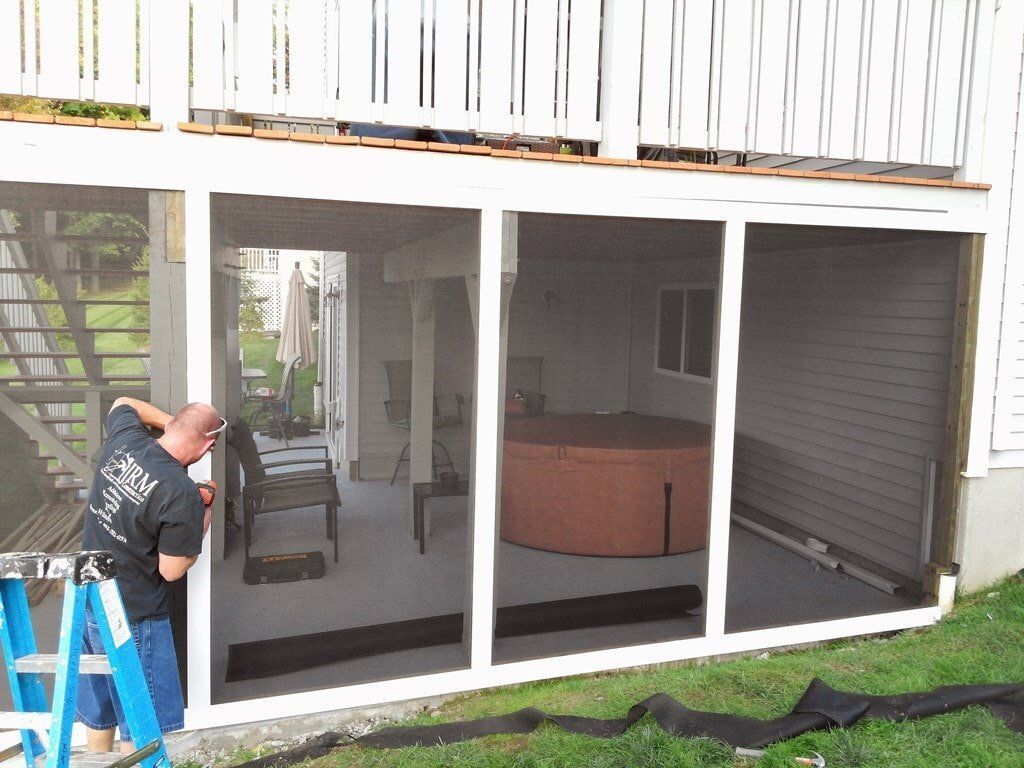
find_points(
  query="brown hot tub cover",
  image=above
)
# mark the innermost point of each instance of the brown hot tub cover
(622, 485)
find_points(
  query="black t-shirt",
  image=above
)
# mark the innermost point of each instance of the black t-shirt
(142, 503)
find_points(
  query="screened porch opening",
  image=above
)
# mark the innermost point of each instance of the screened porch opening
(610, 343)
(82, 271)
(318, 577)
(844, 374)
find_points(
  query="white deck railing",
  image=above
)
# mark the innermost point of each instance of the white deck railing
(884, 80)
(495, 66)
(878, 80)
(99, 52)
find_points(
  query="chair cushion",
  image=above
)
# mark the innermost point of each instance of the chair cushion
(312, 495)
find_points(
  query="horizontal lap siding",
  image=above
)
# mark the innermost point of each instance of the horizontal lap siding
(841, 397)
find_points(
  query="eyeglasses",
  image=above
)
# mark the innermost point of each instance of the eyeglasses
(218, 430)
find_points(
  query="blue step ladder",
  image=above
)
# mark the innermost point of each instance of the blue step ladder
(90, 579)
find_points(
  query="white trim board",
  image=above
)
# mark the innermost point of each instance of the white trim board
(386, 691)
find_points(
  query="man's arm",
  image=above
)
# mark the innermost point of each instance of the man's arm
(173, 567)
(149, 414)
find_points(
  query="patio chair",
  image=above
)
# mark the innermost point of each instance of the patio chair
(523, 376)
(278, 406)
(313, 486)
(447, 411)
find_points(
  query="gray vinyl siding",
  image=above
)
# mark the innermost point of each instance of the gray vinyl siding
(841, 398)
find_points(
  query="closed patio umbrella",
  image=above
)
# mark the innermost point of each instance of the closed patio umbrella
(296, 326)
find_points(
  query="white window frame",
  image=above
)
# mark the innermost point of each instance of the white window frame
(686, 287)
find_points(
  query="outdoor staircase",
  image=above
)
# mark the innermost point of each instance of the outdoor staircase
(59, 409)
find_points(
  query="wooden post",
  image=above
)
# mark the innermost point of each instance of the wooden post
(167, 310)
(959, 396)
(421, 405)
(93, 427)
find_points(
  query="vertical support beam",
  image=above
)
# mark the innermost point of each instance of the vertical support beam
(93, 426)
(200, 387)
(994, 104)
(421, 405)
(730, 288)
(169, 61)
(167, 309)
(226, 376)
(352, 364)
(498, 235)
(620, 78)
(959, 395)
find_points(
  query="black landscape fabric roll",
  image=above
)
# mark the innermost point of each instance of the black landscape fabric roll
(820, 707)
(280, 655)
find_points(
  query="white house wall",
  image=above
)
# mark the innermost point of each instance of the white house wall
(385, 328)
(583, 339)
(843, 373)
(660, 393)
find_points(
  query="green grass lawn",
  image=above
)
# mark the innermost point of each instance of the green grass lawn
(259, 353)
(982, 642)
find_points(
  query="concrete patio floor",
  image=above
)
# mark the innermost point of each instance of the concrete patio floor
(381, 577)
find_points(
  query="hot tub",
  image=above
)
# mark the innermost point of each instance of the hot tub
(621, 485)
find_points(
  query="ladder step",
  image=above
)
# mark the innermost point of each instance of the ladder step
(71, 485)
(90, 664)
(30, 721)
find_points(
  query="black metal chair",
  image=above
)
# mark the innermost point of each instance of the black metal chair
(447, 411)
(264, 492)
(277, 407)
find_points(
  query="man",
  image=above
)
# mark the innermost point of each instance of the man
(146, 511)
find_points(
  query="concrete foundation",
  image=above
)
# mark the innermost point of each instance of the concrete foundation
(990, 529)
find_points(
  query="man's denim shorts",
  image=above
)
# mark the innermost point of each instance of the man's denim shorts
(98, 706)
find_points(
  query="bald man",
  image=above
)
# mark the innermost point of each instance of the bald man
(148, 513)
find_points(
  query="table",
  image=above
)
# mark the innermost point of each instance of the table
(423, 491)
(606, 485)
(249, 375)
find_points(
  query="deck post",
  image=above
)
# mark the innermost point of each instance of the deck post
(620, 78)
(730, 288)
(169, 62)
(421, 405)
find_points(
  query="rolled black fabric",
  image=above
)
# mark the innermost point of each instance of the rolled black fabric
(280, 655)
(819, 707)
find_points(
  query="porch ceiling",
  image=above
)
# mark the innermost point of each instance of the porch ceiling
(323, 225)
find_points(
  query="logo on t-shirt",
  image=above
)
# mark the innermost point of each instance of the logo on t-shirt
(122, 472)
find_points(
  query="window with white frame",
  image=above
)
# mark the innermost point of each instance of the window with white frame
(686, 330)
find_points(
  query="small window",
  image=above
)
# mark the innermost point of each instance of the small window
(686, 330)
